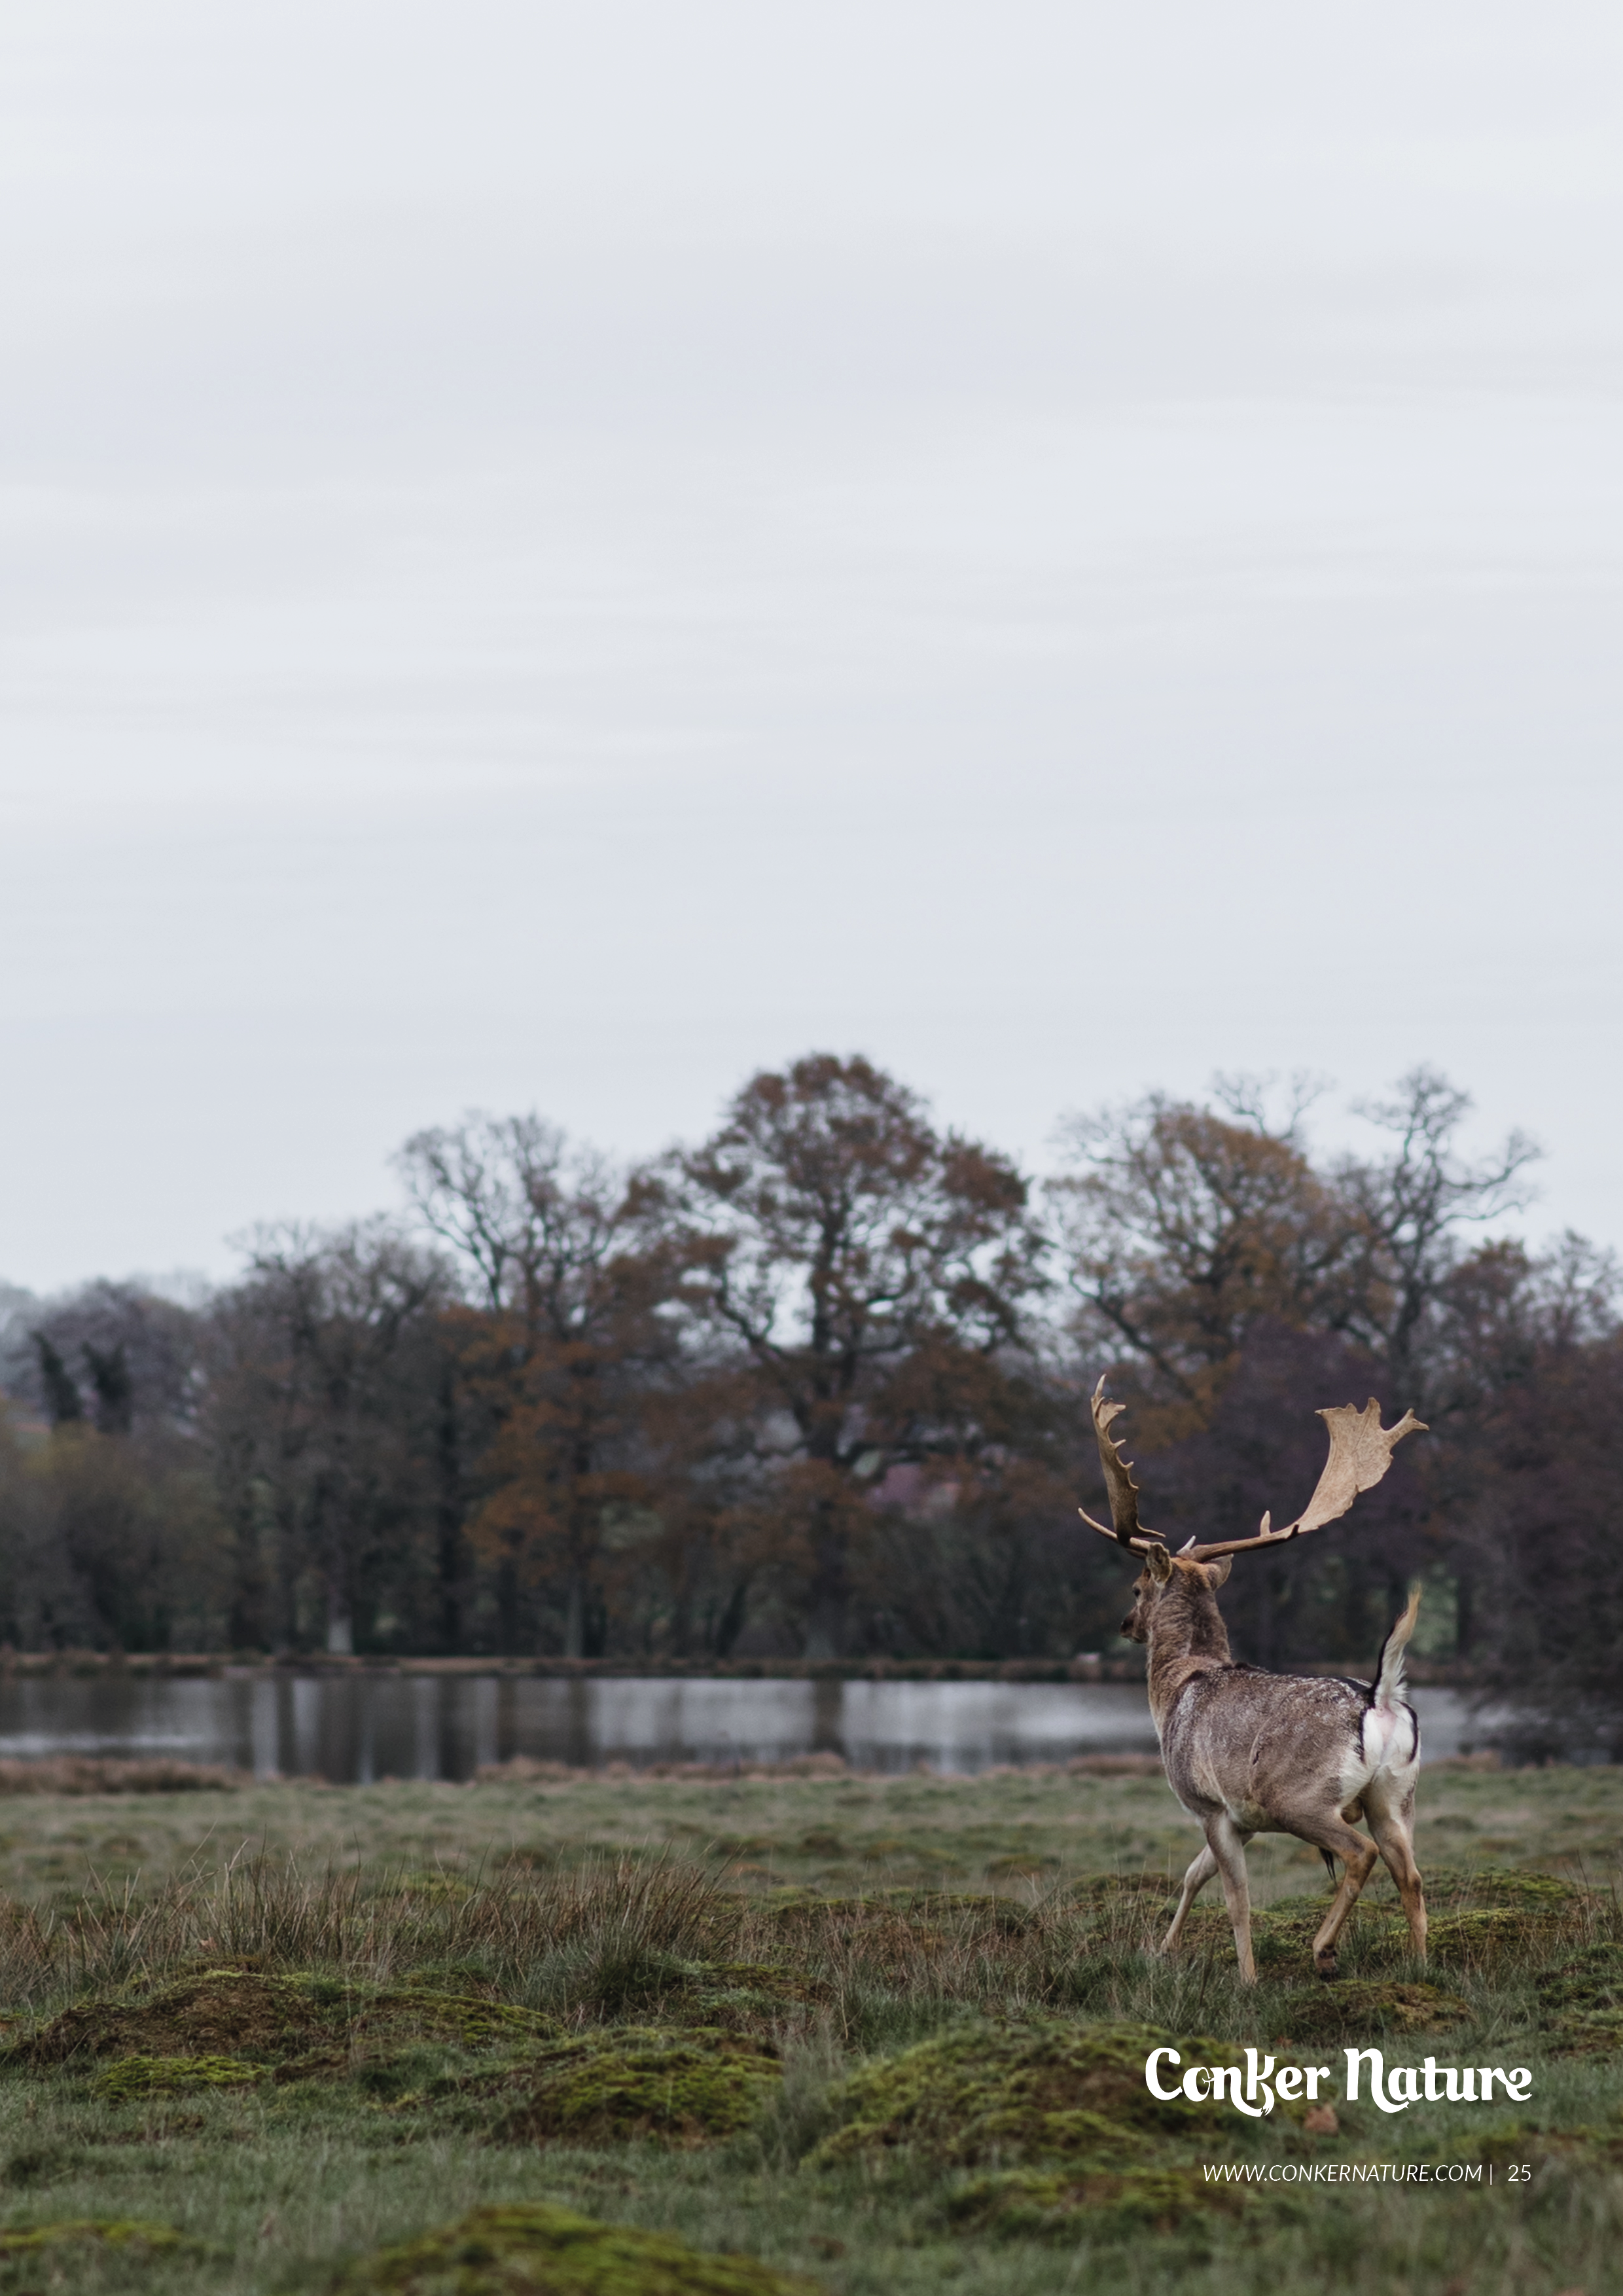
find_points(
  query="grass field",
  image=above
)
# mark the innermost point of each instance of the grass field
(874, 2035)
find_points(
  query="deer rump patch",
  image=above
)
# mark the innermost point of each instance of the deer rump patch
(1390, 1737)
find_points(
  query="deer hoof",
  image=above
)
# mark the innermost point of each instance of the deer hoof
(1325, 1964)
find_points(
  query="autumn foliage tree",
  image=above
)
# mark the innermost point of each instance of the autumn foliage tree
(857, 1275)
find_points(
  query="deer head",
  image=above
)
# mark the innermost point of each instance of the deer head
(1174, 1577)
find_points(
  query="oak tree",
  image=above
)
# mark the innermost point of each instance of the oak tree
(834, 1243)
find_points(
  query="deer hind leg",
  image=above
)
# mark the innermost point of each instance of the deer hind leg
(1199, 1874)
(1392, 1822)
(1327, 1830)
(1225, 1847)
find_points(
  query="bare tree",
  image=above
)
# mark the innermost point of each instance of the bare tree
(1182, 1229)
(322, 1378)
(1410, 1207)
(567, 1275)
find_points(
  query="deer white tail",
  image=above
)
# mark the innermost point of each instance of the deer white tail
(1391, 1680)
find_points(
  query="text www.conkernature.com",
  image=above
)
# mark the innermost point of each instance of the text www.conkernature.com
(1344, 2172)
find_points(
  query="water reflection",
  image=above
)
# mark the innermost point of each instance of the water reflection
(355, 1729)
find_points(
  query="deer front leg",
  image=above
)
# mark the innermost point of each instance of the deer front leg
(1225, 1847)
(1199, 1874)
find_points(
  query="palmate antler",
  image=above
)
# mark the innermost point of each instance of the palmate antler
(1360, 1453)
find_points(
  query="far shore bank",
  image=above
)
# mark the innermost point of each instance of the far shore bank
(1449, 1673)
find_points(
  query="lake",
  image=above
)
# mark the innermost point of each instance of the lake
(352, 1730)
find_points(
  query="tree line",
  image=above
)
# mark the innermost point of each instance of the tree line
(817, 1386)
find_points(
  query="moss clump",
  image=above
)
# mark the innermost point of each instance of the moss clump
(1591, 1979)
(1480, 1934)
(770, 1981)
(468, 2020)
(1581, 2001)
(1023, 2204)
(223, 2012)
(127, 2233)
(469, 1974)
(876, 1930)
(1600, 2033)
(1282, 1935)
(39, 2164)
(1117, 1911)
(444, 1887)
(1057, 2092)
(1482, 1919)
(136, 2077)
(1455, 1888)
(625, 1977)
(677, 2088)
(237, 2013)
(1114, 1888)
(978, 1911)
(504, 2251)
(1326, 2013)
(745, 1997)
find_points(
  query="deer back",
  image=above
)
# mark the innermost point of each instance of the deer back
(1270, 1747)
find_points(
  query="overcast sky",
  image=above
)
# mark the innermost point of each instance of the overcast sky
(555, 556)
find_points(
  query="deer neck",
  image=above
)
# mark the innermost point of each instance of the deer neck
(1187, 1636)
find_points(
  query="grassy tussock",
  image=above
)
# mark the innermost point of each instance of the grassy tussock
(680, 2087)
(566, 2255)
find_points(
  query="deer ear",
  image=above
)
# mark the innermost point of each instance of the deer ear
(1217, 1573)
(1159, 1563)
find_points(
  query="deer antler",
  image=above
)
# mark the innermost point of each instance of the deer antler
(1360, 1453)
(1118, 1483)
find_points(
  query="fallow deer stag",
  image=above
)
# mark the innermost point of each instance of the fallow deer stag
(1249, 1752)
